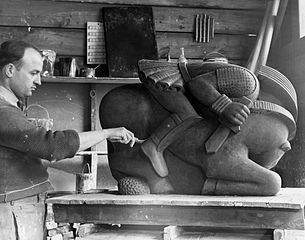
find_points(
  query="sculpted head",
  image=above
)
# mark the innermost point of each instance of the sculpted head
(271, 128)
(20, 64)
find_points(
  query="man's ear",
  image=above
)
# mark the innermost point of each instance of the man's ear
(9, 70)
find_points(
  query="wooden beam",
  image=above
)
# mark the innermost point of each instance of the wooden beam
(287, 198)
(73, 43)
(227, 217)
(63, 42)
(232, 46)
(230, 4)
(20, 13)
(191, 233)
(283, 211)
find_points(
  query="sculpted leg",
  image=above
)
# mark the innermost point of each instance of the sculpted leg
(182, 117)
(171, 129)
(241, 177)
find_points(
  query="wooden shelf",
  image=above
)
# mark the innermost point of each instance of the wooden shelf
(102, 80)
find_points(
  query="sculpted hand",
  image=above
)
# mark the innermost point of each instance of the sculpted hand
(121, 135)
(235, 113)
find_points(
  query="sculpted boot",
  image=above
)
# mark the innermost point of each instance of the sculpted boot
(171, 129)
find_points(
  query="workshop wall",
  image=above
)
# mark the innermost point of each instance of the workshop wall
(61, 26)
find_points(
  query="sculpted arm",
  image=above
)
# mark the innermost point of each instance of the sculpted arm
(214, 89)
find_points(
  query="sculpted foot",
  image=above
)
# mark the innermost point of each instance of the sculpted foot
(156, 158)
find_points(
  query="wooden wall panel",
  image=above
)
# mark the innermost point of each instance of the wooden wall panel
(230, 4)
(61, 26)
(226, 21)
(64, 42)
(75, 15)
(234, 46)
(73, 42)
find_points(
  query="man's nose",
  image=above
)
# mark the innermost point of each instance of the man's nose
(37, 79)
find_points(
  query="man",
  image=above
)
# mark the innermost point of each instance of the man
(23, 179)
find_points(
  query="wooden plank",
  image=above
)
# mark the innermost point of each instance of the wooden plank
(46, 13)
(123, 235)
(284, 234)
(226, 217)
(231, 4)
(75, 15)
(94, 157)
(63, 42)
(232, 46)
(183, 233)
(288, 198)
(72, 42)
(226, 21)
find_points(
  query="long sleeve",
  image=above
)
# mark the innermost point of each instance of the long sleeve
(16, 132)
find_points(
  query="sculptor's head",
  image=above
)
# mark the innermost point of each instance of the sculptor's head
(20, 64)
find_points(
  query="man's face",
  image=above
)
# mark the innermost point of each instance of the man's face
(25, 80)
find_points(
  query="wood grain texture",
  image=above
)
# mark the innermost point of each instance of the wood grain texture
(200, 233)
(227, 217)
(63, 42)
(50, 14)
(288, 198)
(73, 42)
(238, 4)
(123, 235)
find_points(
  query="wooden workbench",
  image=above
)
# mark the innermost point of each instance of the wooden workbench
(283, 212)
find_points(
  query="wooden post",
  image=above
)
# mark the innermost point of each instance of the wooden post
(253, 59)
(94, 155)
(261, 50)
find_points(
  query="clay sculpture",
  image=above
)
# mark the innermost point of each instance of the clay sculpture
(204, 149)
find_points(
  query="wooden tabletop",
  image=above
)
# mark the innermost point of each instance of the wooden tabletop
(287, 198)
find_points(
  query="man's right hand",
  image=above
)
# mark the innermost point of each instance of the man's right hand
(121, 135)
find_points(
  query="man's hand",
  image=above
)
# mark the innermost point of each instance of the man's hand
(121, 135)
(235, 113)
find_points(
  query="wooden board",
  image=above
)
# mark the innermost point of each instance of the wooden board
(61, 26)
(72, 42)
(288, 198)
(123, 235)
(227, 217)
(240, 4)
(130, 36)
(199, 233)
(76, 15)
(284, 211)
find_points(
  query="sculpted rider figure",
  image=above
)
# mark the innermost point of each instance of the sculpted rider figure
(170, 82)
